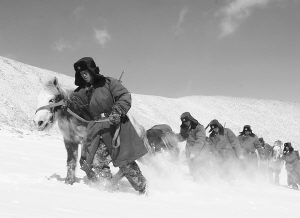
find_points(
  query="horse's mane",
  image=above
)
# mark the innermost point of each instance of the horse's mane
(56, 89)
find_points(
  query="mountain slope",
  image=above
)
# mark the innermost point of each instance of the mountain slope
(21, 83)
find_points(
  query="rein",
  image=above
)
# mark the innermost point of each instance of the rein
(52, 106)
(84, 120)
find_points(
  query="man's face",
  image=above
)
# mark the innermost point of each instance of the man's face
(186, 122)
(247, 132)
(86, 76)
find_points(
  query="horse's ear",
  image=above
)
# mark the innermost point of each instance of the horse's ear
(55, 81)
(56, 84)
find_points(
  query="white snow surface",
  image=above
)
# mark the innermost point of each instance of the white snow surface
(33, 164)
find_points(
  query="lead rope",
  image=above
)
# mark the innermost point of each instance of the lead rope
(116, 138)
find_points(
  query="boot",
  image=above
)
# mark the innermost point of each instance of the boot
(103, 173)
(91, 175)
(144, 191)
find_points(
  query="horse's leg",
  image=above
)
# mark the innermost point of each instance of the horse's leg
(72, 152)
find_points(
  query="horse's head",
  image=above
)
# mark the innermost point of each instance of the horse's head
(45, 116)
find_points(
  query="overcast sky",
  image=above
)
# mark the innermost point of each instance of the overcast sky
(172, 48)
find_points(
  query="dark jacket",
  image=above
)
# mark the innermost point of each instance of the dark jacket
(108, 95)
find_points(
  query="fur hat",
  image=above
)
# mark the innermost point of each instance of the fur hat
(215, 123)
(247, 128)
(86, 63)
(288, 147)
(186, 116)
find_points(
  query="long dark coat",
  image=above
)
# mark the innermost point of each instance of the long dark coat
(109, 95)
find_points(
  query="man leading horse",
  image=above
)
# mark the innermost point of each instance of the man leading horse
(108, 98)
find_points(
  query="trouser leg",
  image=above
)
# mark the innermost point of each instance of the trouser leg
(101, 161)
(134, 175)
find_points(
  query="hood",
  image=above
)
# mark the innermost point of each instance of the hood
(288, 147)
(188, 116)
(215, 123)
(247, 128)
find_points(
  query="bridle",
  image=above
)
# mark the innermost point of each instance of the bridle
(58, 102)
(52, 107)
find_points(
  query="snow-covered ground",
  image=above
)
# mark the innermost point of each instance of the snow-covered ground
(33, 164)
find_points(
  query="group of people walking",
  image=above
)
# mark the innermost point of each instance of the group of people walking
(224, 151)
(117, 141)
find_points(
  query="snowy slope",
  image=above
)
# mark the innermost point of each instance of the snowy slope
(20, 85)
(33, 165)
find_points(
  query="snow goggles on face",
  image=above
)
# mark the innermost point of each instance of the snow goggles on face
(213, 126)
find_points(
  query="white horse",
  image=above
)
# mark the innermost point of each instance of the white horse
(72, 123)
(276, 162)
(50, 102)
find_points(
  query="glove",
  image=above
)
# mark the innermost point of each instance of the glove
(66, 105)
(114, 118)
